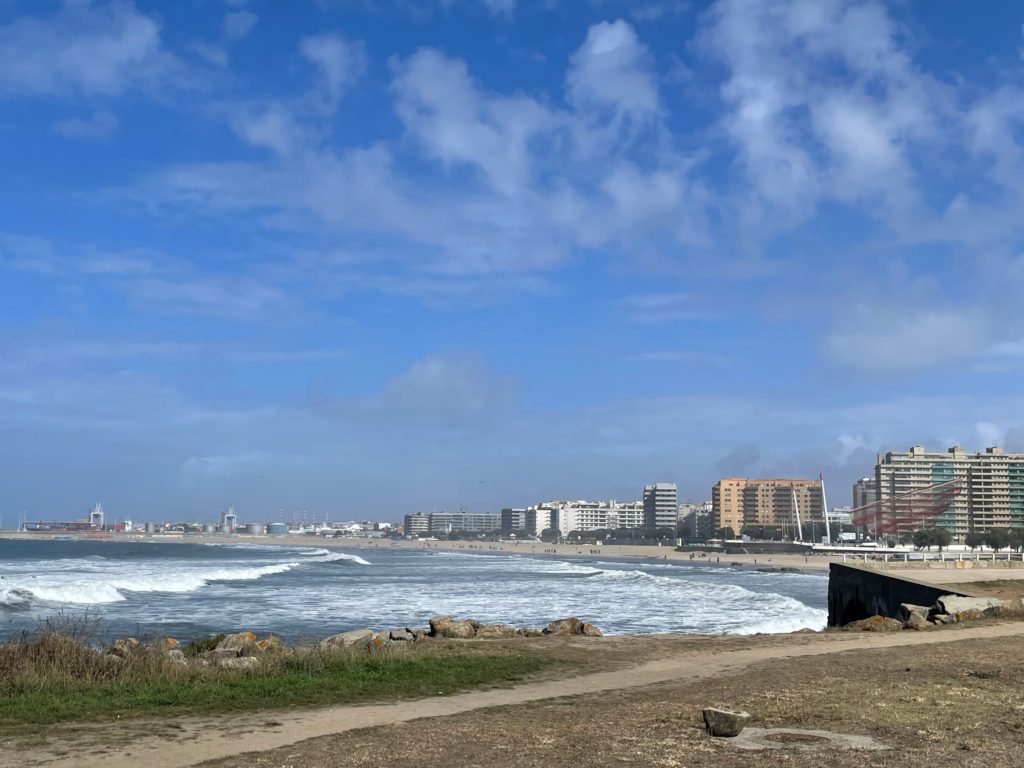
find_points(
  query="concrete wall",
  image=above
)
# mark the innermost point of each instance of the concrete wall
(856, 593)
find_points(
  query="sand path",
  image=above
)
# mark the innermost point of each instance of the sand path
(192, 741)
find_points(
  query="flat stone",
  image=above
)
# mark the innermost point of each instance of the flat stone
(239, 662)
(761, 738)
(723, 723)
(954, 604)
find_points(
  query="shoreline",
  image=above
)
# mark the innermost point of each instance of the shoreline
(944, 573)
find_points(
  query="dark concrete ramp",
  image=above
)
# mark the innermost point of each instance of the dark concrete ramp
(856, 593)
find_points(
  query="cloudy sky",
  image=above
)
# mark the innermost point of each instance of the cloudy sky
(369, 257)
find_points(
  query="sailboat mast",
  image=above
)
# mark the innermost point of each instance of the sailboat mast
(796, 506)
(824, 508)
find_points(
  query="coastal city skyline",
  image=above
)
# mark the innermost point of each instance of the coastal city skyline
(291, 254)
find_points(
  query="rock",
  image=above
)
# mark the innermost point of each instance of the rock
(177, 657)
(238, 642)
(954, 604)
(401, 635)
(569, 626)
(490, 631)
(124, 647)
(530, 632)
(916, 622)
(419, 634)
(909, 609)
(721, 722)
(216, 656)
(446, 626)
(113, 658)
(357, 639)
(943, 618)
(379, 641)
(806, 631)
(875, 624)
(239, 662)
(591, 630)
(788, 569)
(270, 644)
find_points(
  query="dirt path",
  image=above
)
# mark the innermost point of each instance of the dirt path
(192, 741)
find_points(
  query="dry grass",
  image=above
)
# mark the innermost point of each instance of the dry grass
(955, 704)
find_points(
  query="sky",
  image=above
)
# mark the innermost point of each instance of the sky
(362, 258)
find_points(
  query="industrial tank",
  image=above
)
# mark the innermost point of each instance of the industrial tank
(209, 528)
(277, 529)
(150, 527)
(254, 529)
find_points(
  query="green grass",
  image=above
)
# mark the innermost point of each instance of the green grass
(305, 680)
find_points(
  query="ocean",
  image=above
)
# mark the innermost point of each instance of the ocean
(190, 590)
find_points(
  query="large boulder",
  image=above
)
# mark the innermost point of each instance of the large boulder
(909, 609)
(239, 642)
(401, 635)
(446, 626)
(569, 626)
(722, 722)
(954, 604)
(491, 631)
(271, 644)
(875, 624)
(177, 657)
(591, 630)
(916, 622)
(379, 641)
(356, 639)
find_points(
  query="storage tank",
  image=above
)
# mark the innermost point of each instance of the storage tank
(150, 527)
(209, 528)
(254, 529)
(277, 529)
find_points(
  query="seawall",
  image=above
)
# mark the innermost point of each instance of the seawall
(856, 593)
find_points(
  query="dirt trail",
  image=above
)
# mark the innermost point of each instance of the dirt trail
(193, 741)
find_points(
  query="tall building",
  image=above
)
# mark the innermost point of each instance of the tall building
(739, 503)
(470, 522)
(417, 523)
(992, 485)
(660, 505)
(865, 491)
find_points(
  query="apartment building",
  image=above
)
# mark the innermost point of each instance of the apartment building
(992, 483)
(865, 491)
(739, 503)
(661, 506)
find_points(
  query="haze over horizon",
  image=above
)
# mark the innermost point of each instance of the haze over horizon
(378, 257)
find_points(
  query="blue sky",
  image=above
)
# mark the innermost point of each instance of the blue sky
(369, 257)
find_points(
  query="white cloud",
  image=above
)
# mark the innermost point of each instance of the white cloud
(86, 48)
(898, 339)
(611, 71)
(211, 54)
(99, 125)
(339, 62)
(239, 24)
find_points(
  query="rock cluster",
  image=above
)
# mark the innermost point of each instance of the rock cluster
(948, 609)
(243, 650)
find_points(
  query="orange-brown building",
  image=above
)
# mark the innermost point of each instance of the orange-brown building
(740, 502)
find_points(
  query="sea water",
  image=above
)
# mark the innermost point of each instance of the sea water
(190, 590)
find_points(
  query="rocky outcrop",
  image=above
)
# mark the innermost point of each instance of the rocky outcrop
(875, 624)
(723, 723)
(572, 626)
(239, 642)
(486, 631)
